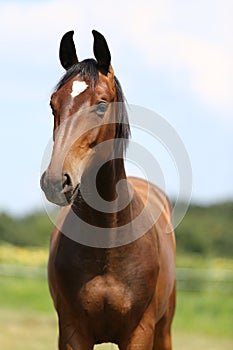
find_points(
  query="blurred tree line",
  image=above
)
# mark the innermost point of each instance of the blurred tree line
(207, 230)
(31, 230)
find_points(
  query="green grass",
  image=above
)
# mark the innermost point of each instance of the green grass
(207, 312)
(23, 329)
(198, 340)
(38, 331)
(25, 294)
(203, 319)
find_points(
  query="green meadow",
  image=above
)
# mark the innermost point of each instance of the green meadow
(203, 318)
(27, 319)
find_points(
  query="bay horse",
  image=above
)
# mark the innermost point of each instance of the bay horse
(120, 288)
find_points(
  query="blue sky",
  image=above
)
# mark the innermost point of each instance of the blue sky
(174, 57)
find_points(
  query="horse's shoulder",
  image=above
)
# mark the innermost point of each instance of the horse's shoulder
(149, 192)
(155, 200)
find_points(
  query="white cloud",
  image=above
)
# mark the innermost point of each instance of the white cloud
(204, 55)
(208, 68)
(194, 39)
(33, 26)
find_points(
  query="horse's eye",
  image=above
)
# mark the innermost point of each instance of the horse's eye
(101, 108)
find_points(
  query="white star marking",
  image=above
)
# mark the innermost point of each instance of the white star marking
(78, 87)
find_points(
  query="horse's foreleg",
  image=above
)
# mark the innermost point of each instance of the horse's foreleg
(142, 337)
(70, 338)
(163, 327)
(75, 343)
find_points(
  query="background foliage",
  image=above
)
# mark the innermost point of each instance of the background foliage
(205, 230)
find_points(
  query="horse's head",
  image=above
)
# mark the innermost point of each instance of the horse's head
(88, 109)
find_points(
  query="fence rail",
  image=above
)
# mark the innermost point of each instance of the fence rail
(204, 279)
(191, 279)
(10, 270)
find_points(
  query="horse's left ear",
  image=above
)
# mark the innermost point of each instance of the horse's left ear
(101, 52)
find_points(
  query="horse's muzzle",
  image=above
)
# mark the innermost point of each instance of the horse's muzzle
(58, 190)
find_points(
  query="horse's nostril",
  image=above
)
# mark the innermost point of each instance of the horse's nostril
(42, 180)
(66, 181)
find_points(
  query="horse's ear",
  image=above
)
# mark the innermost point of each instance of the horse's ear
(67, 52)
(101, 52)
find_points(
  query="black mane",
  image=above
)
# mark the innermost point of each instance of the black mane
(88, 70)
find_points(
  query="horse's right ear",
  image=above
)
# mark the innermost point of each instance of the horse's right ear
(67, 52)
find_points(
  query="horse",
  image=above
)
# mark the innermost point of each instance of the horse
(111, 269)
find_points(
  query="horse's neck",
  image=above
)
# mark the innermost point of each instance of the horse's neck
(108, 177)
(108, 220)
(104, 191)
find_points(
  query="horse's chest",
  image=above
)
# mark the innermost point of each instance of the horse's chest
(104, 293)
(106, 288)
